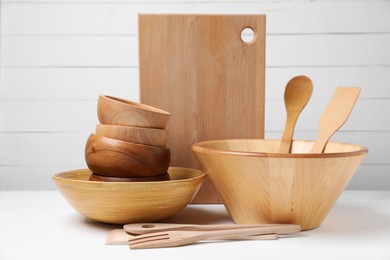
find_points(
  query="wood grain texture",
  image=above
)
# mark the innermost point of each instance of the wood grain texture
(117, 111)
(129, 202)
(180, 238)
(95, 177)
(147, 228)
(118, 237)
(121, 237)
(335, 115)
(259, 185)
(121, 51)
(139, 135)
(114, 158)
(297, 94)
(50, 49)
(198, 68)
(57, 83)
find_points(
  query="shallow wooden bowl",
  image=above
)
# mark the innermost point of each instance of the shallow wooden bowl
(258, 185)
(139, 135)
(115, 158)
(129, 202)
(117, 111)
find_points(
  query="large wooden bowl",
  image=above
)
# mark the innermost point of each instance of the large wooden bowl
(115, 158)
(139, 135)
(258, 185)
(117, 111)
(129, 202)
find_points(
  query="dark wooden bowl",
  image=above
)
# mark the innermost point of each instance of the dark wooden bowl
(138, 135)
(95, 177)
(114, 158)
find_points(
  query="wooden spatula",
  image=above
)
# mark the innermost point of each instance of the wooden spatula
(335, 115)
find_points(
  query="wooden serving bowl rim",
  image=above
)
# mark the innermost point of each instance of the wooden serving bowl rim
(135, 105)
(202, 147)
(68, 177)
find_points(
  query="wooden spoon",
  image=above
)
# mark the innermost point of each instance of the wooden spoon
(335, 115)
(297, 94)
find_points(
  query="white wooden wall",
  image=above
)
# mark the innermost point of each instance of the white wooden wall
(57, 56)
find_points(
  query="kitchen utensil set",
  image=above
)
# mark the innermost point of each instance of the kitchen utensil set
(212, 81)
(296, 96)
(152, 235)
(259, 183)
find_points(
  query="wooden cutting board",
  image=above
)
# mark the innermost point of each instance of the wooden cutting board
(199, 69)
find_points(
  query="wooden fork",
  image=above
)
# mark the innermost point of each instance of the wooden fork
(179, 238)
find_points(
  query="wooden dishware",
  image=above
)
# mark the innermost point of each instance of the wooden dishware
(260, 185)
(129, 202)
(198, 68)
(117, 111)
(297, 94)
(114, 158)
(335, 115)
(95, 177)
(139, 135)
(147, 228)
(121, 237)
(179, 238)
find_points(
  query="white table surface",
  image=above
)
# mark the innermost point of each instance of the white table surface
(41, 225)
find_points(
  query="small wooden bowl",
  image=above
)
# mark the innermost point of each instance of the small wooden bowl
(95, 177)
(116, 111)
(129, 202)
(139, 135)
(259, 185)
(114, 158)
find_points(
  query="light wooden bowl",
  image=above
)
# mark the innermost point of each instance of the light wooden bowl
(115, 158)
(129, 202)
(117, 111)
(258, 185)
(139, 135)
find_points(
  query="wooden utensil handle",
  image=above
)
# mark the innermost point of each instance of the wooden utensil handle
(285, 229)
(145, 228)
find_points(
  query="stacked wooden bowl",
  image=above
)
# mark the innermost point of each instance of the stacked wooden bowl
(129, 143)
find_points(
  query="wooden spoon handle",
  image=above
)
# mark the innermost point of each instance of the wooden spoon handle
(282, 230)
(285, 142)
(145, 228)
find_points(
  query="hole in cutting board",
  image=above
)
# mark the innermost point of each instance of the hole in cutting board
(248, 35)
